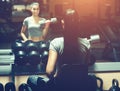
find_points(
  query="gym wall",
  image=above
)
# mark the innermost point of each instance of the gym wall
(94, 8)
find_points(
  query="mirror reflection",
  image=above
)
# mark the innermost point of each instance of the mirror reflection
(98, 24)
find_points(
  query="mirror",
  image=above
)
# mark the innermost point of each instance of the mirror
(98, 19)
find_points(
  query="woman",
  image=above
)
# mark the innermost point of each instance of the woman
(36, 26)
(68, 50)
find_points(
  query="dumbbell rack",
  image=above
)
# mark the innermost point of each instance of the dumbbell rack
(10, 69)
(6, 61)
(7, 66)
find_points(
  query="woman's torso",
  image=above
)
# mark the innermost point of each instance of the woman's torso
(58, 45)
(35, 28)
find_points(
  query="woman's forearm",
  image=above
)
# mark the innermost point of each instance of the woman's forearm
(45, 31)
(23, 29)
(24, 37)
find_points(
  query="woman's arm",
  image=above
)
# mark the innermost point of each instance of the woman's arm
(23, 29)
(45, 30)
(52, 59)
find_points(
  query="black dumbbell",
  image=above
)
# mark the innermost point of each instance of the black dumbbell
(24, 87)
(10, 86)
(43, 46)
(33, 57)
(92, 83)
(36, 83)
(1, 87)
(44, 57)
(100, 87)
(30, 46)
(115, 85)
(20, 57)
(17, 45)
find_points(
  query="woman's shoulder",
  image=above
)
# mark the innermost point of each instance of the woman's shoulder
(27, 18)
(58, 39)
(57, 45)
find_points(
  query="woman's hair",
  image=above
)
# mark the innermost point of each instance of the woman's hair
(74, 51)
(71, 21)
(70, 33)
(34, 3)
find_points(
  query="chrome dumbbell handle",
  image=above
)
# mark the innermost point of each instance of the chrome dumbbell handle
(94, 38)
(52, 20)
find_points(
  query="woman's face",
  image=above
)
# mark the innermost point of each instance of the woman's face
(35, 10)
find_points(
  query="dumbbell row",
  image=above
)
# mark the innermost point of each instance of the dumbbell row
(29, 46)
(36, 83)
(10, 86)
(32, 52)
(31, 57)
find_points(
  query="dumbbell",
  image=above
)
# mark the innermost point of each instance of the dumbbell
(1, 87)
(115, 85)
(17, 45)
(92, 83)
(33, 57)
(10, 86)
(43, 46)
(94, 38)
(36, 83)
(52, 20)
(100, 87)
(20, 57)
(44, 57)
(24, 87)
(32, 52)
(30, 46)
(18, 48)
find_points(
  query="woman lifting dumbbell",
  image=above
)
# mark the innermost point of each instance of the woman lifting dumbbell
(70, 49)
(33, 32)
(36, 26)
